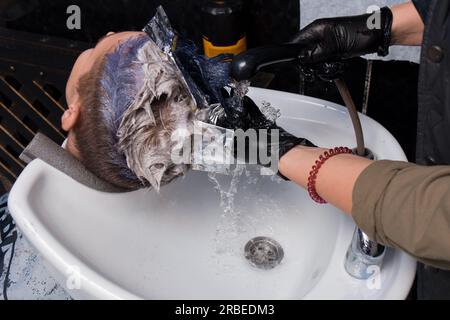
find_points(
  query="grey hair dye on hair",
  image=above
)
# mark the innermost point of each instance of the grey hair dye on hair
(162, 104)
(143, 102)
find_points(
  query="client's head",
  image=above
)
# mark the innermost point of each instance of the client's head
(125, 99)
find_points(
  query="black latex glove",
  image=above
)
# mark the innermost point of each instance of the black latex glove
(335, 39)
(252, 118)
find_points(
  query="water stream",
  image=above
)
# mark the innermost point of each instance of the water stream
(247, 211)
(229, 227)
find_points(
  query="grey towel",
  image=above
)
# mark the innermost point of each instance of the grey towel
(48, 151)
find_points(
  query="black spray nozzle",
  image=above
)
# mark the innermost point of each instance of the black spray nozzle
(245, 65)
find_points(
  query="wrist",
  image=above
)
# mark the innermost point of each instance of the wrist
(287, 141)
(407, 25)
(296, 163)
(386, 31)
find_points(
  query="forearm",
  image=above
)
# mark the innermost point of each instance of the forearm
(406, 206)
(336, 178)
(398, 204)
(407, 26)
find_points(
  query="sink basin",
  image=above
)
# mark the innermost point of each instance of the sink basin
(188, 241)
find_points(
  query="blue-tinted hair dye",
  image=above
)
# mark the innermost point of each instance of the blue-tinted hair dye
(120, 82)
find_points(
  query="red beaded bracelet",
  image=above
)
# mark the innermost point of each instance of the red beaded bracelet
(315, 169)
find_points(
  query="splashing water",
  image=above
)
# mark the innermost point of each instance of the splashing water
(241, 88)
(227, 196)
(269, 111)
(235, 102)
(247, 211)
(229, 226)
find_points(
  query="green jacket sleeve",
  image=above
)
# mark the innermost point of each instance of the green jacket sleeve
(406, 206)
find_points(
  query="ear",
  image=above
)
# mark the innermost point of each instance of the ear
(70, 117)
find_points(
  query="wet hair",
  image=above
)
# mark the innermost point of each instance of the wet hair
(131, 102)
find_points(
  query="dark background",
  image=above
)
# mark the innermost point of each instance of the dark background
(267, 21)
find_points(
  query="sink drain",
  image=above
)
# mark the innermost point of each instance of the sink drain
(263, 253)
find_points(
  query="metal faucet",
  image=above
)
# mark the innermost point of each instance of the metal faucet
(363, 254)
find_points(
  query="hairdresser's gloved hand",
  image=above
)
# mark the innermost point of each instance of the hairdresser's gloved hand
(335, 39)
(265, 137)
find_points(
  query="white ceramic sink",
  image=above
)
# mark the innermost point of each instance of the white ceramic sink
(181, 245)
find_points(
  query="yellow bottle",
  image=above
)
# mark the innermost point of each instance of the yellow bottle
(223, 27)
